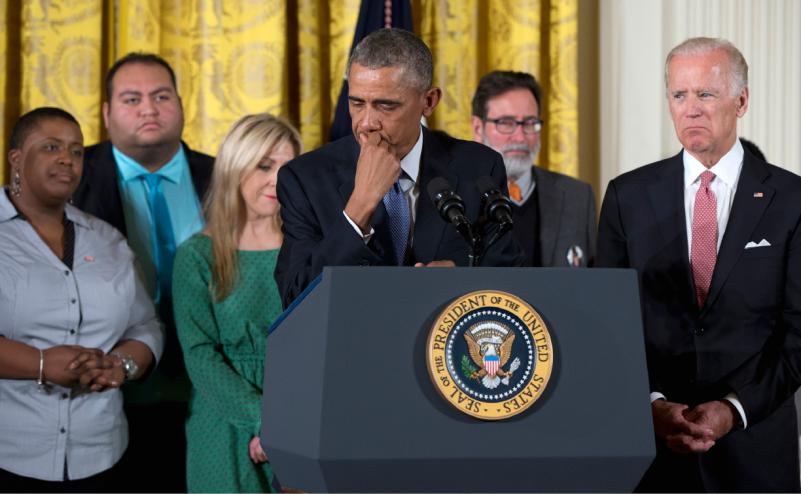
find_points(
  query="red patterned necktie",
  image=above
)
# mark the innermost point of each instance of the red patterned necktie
(704, 249)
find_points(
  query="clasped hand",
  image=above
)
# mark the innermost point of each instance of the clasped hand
(691, 430)
(74, 366)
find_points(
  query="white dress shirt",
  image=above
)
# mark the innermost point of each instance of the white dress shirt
(724, 186)
(44, 303)
(727, 174)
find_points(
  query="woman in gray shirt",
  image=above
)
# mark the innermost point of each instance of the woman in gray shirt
(75, 321)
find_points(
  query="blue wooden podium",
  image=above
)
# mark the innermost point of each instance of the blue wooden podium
(349, 405)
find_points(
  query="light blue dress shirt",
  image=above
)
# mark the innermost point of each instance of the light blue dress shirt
(43, 303)
(176, 185)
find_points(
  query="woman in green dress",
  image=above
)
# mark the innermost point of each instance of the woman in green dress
(225, 300)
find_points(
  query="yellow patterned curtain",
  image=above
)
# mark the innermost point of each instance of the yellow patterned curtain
(288, 57)
(229, 57)
(472, 37)
(52, 58)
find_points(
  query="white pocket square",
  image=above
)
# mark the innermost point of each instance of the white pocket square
(754, 245)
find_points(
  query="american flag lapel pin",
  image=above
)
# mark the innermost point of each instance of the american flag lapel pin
(88, 258)
(759, 194)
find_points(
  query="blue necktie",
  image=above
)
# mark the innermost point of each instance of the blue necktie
(162, 234)
(397, 207)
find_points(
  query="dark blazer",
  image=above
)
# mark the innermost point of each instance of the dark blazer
(98, 193)
(747, 337)
(314, 188)
(567, 217)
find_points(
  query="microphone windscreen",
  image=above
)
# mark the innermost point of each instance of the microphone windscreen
(486, 184)
(437, 185)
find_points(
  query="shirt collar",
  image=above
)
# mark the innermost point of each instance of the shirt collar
(77, 216)
(727, 169)
(129, 169)
(410, 164)
(7, 209)
(9, 212)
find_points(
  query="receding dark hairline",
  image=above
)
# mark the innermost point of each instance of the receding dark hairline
(398, 48)
(140, 58)
(44, 119)
(498, 83)
(142, 63)
(511, 89)
(32, 120)
(401, 78)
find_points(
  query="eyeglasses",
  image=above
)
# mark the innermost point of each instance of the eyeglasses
(508, 125)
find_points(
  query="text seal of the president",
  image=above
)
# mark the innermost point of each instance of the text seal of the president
(490, 354)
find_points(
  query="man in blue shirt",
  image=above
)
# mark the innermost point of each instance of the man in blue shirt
(149, 185)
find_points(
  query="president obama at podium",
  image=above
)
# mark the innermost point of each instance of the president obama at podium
(363, 199)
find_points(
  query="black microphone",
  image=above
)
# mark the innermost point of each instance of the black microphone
(450, 206)
(495, 206)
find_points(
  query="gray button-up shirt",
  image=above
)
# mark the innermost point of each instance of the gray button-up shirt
(43, 303)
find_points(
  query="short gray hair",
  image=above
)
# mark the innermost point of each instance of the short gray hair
(390, 47)
(738, 68)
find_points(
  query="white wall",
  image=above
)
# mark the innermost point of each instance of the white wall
(636, 35)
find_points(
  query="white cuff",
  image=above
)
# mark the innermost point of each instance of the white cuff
(732, 398)
(365, 237)
(656, 395)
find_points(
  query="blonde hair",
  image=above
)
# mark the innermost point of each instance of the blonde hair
(249, 140)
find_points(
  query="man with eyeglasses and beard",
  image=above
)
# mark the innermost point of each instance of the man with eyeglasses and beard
(554, 214)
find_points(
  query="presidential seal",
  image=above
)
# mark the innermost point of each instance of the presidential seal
(490, 355)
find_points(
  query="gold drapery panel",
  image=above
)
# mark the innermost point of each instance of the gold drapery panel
(472, 37)
(234, 57)
(229, 57)
(5, 67)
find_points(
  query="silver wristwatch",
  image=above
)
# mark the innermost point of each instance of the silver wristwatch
(129, 365)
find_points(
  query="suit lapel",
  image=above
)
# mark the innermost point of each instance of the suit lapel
(551, 203)
(667, 202)
(199, 171)
(346, 171)
(346, 174)
(746, 212)
(109, 202)
(429, 226)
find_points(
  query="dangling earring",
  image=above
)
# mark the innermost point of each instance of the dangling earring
(16, 185)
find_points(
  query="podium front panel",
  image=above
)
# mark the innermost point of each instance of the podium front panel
(350, 406)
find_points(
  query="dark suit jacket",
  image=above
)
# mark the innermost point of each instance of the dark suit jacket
(747, 337)
(98, 193)
(314, 188)
(567, 217)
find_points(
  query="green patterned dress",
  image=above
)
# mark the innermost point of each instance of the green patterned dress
(223, 345)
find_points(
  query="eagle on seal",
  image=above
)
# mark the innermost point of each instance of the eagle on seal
(491, 354)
